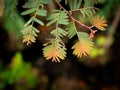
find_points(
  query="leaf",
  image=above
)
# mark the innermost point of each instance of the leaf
(84, 46)
(39, 21)
(54, 52)
(28, 39)
(53, 16)
(35, 29)
(28, 22)
(51, 22)
(88, 11)
(71, 30)
(41, 12)
(79, 4)
(88, 3)
(62, 18)
(59, 16)
(75, 4)
(59, 32)
(52, 19)
(31, 4)
(26, 30)
(45, 1)
(29, 11)
(99, 23)
(29, 33)
(66, 2)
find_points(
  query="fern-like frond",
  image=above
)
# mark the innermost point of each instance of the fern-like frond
(99, 23)
(84, 46)
(88, 11)
(88, 3)
(37, 8)
(54, 50)
(30, 32)
(71, 29)
(85, 7)
(59, 32)
(58, 16)
(75, 4)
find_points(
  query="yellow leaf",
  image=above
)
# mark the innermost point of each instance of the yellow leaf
(99, 23)
(52, 52)
(28, 39)
(82, 48)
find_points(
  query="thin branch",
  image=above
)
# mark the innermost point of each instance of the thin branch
(84, 8)
(74, 18)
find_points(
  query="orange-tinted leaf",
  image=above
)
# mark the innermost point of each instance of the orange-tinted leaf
(99, 23)
(82, 48)
(52, 52)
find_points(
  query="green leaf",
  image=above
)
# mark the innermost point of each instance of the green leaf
(28, 22)
(83, 35)
(51, 22)
(39, 21)
(35, 29)
(26, 30)
(45, 1)
(75, 4)
(63, 21)
(29, 11)
(41, 12)
(62, 32)
(88, 3)
(34, 33)
(59, 32)
(31, 4)
(79, 4)
(53, 16)
(71, 30)
(88, 11)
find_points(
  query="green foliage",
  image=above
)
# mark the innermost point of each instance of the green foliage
(36, 7)
(64, 23)
(71, 28)
(58, 16)
(56, 49)
(86, 10)
(75, 4)
(17, 71)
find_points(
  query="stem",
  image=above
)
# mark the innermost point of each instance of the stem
(84, 8)
(73, 19)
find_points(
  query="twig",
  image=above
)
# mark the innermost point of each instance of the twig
(74, 18)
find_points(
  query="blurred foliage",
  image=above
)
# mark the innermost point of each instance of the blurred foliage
(23, 76)
(18, 72)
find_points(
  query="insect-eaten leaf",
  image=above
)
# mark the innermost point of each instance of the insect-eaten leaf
(99, 23)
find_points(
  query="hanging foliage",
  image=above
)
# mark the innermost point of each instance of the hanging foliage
(99, 23)
(65, 26)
